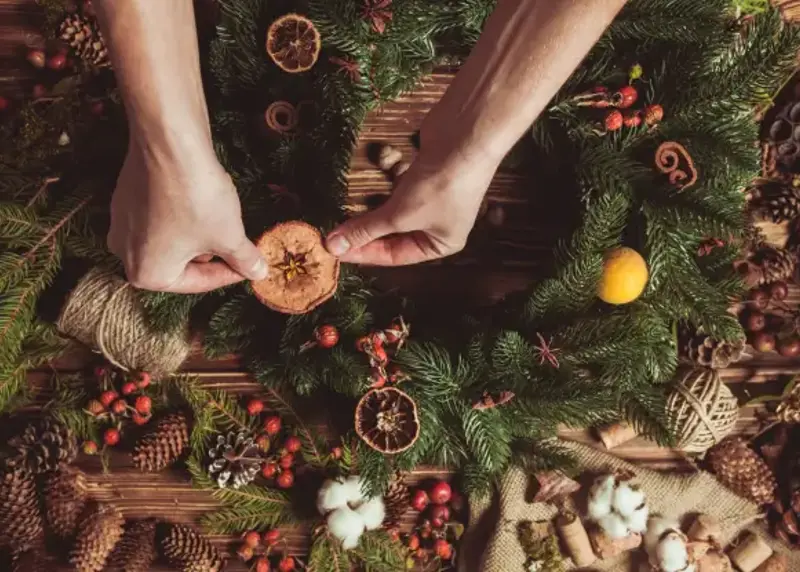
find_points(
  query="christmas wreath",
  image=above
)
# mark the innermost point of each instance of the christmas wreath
(650, 141)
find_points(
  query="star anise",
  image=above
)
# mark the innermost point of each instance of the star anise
(347, 67)
(378, 12)
(545, 352)
(293, 265)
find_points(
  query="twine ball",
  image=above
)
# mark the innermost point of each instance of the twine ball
(701, 410)
(104, 312)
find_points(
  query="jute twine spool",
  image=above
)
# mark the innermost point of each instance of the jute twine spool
(104, 312)
(701, 410)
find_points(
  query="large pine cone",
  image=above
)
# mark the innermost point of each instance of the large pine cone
(163, 445)
(98, 533)
(706, 351)
(21, 523)
(84, 37)
(742, 470)
(43, 446)
(397, 501)
(187, 550)
(64, 500)
(234, 460)
(136, 552)
(767, 264)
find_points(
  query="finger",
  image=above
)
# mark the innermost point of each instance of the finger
(203, 258)
(247, 260)
(204, 277)
(395, 250)
(359, 231)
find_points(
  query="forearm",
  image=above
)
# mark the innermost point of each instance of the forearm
(153, 47)
(527, 50)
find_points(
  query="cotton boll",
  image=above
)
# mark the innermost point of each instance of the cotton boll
(332, 494)
(637, 520)
(600, 496)
(671, 553)
(613, 525)
(372, 512)
(352, 487)
(346, 525)
(627, 499)
(656, 527)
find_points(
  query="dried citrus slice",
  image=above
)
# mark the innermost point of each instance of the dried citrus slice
(302, 274)
(293, 43)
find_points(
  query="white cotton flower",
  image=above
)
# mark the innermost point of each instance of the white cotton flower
(600, 496)
(352, 489)
(613, 525)
(346, 525)
(372, 512)
(627, 499)
(671, 552)
(332, 494)
(637, 520)
(657, 526)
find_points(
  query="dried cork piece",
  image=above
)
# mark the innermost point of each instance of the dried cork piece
(302, 274)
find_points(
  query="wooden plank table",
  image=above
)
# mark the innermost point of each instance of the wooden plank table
(477, 276)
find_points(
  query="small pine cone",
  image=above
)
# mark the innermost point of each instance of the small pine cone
(788, 411)
(163, 445)
(707, 351)
(98, 533)
(136, 552)
(767, 264)
(84, 37)
(187, 550)
(742, 470)
(777, 201)
(21, 523)
(397, 501)
(43, 446)
(64, 500)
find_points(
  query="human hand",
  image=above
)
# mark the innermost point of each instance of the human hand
(171, 211)
(429, 215)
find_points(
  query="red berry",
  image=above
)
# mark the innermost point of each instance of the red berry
(327, 336)
(111, 437)
(37, 58)
(632, 119)
(245, 552)
(142, 378)
(394, 534)
(625, 97)
(108, 397)
(378, 377)
(287, 461)
(128, 388)
(4, 103)
(272, 425)
(263, 443)
(440, 514)
(425, 529)
(457, 502)
(95, 407)
(443, 549)
(755, 321)
(39, 91)
(379, 355)
(779, 290)
(286, 564)
(269, 470)
(337, 452)
(420, 500)
(413, 542)
(57, 62)
(789, 347)
(759, 298)
(98, 108)
(764, 342)
(285, 480)
(143, 404)
(119, 406)
(613, 120)
(441, 493)
(293, 444)
(653, 114)
(252, 539)
(90, 447)
(255, 406)
(262, 564)
(139, 419)
(272, 537)
(100, 372)
(363, 343)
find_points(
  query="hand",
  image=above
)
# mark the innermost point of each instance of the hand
(429, 215)
(170, 212)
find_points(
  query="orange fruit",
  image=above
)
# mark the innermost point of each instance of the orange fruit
(624, 276)
(293, 43)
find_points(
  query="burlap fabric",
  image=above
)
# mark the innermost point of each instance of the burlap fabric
(491, 543)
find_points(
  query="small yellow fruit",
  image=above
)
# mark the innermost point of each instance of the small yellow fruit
(624, 277)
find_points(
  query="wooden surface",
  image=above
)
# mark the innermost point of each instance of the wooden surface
(479, 275)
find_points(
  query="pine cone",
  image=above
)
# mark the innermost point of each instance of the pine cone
(162, 446)
(767, 264)
(707, 351)
(740, 469)
(64, 500)
(34, 560)
(788, 411)
(136, 552)
(84, 37)
(777, 201)
(21, 525)
(98, 533)
(42, 447)
(397, 501)
(187, 550)
(235, 460)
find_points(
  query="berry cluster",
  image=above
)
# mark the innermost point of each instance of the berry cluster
(279, 461)
(439, 527)
(378, 346)
(114, 407)
(259, 551)
(771, 324)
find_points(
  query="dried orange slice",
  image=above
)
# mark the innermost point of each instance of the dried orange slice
(293, 43)
(302, 274)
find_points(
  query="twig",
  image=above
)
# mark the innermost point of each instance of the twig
(299, 423)
(54, 229)
(47, 182)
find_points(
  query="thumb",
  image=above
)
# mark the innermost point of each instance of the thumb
(247, 260)
(359, 231)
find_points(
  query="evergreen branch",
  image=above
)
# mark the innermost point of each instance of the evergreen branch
(312, 451)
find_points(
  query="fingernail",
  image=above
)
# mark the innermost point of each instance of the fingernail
(338, 245)
(261, 269)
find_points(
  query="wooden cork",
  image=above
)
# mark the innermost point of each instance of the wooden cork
(616, 434)
(606, 547)
(705, 528)
(575, 539)
(714, 562)
(775, 563)
(751, 553)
